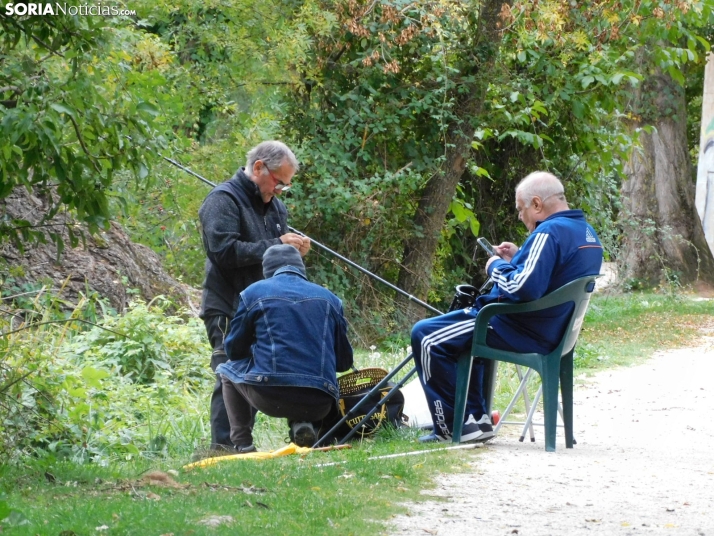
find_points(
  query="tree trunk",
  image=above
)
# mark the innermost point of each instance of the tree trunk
(419, 250)
(663, 236)
(108, 263)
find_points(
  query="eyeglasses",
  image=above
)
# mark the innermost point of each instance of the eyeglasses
(281, 186)
(543, 200)
(551, 195)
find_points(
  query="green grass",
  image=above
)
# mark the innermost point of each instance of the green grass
(289, 495)
(293, 495)
(627, 329)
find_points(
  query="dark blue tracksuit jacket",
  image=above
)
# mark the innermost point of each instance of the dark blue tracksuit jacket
(562, 248)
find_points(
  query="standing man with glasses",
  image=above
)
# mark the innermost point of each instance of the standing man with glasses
(561, 248)
(240, 219)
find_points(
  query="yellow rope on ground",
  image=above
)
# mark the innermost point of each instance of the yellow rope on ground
(292, 448)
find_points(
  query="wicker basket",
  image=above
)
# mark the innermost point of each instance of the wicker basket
(359, 380)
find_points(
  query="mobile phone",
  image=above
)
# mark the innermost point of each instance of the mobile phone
(485, 244)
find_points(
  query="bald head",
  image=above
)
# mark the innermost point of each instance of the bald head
(541, 184)
(538, 196)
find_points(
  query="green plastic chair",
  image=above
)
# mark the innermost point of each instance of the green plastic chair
(553, 368)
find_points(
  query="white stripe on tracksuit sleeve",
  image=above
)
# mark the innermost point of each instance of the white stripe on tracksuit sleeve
(530, 281)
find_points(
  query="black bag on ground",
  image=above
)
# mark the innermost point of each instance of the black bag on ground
(353, 388)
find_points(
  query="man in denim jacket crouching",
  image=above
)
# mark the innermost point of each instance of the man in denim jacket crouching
(287, 341)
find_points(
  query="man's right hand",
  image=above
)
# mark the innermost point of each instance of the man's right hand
(293, 239)
(506, 250)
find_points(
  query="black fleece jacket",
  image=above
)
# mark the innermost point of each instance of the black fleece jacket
(237, 228)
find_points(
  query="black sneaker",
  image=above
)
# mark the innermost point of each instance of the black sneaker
(471, 430)
(484, 424)
(244, 449)
(303, 434)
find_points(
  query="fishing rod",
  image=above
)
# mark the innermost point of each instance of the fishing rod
(323, 247)
(384, 398)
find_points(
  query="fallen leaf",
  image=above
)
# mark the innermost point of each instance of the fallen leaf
(153, 496)
(159, 478)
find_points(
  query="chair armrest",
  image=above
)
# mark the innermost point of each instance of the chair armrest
(566, 293)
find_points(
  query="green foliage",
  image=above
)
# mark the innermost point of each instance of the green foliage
(367, 93)
(131, 385)
(69, 119)
(223, 71)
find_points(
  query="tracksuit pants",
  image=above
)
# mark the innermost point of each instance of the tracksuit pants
(436, 345)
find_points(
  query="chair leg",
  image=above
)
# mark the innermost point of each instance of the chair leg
(566, 388)
(490, 372)
(463, 376)
(527, 403)
(549, 381)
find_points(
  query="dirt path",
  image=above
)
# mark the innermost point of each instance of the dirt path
(644, 463)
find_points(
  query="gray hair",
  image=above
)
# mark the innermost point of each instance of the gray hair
(272, 153)
(541, 184)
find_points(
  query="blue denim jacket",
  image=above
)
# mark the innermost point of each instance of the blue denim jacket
(288, 332)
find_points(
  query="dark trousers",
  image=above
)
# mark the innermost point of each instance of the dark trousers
(217, 329)
(297, 404)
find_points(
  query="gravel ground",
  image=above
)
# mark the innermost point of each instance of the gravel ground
(644, 463)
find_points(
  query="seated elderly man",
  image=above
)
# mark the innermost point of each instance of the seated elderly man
(561, 247)
(287, 341)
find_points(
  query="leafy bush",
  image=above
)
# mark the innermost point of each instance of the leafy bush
(133, 384)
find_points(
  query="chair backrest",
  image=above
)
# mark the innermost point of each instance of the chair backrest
(582, 290)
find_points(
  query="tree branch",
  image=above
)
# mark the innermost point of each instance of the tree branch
(92, 158)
